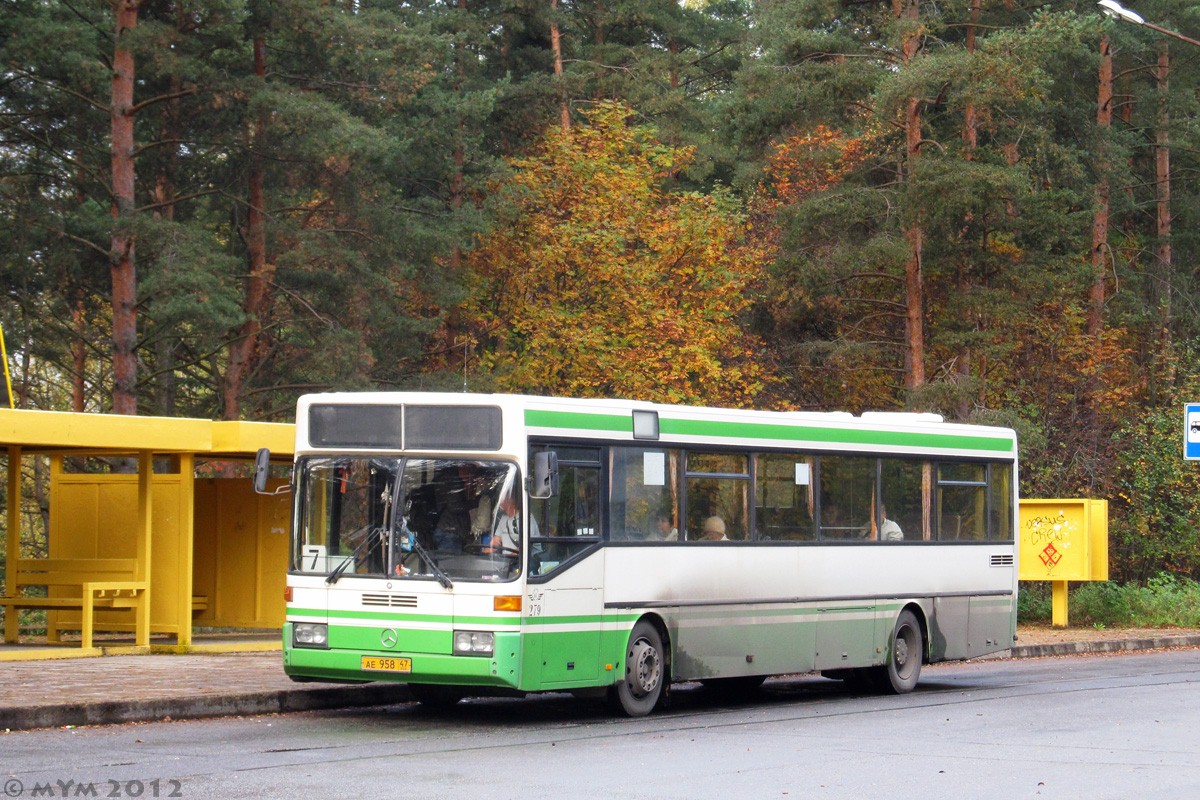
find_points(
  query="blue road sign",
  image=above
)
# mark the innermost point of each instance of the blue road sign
(1191, 431)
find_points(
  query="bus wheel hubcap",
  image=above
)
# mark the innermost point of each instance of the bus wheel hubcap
(644, 668)
(901, 651)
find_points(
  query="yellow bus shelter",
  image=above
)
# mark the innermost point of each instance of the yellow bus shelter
(151, 547)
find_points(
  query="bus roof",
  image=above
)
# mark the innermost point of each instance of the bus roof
(613, 420)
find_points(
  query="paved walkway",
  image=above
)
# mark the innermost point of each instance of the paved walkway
(116, 689)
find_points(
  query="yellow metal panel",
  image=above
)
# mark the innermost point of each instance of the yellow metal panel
(97, 516)
(240, 554)
(274, 525)
(1099, 539)
(238, 568)
(245, 438)
(115, 432)
(12, 541)
(1063, 540)
(205, 549)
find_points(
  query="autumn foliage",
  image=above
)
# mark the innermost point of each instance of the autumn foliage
(802, 164)
(601, 281)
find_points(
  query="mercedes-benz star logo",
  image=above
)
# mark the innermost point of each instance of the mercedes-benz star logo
(388, 637)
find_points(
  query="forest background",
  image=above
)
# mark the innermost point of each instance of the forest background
(981, 208)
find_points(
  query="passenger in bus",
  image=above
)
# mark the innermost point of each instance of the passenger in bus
(665, 530)
(889, 530)
(713, 530)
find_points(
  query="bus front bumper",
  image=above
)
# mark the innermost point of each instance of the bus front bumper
(500, 670)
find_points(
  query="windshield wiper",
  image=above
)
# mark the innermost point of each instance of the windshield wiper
(438, 572)
(400, 521)
(338, 570)
(377, 533)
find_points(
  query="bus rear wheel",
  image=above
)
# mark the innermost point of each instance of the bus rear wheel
(906, 651)
(641, 688)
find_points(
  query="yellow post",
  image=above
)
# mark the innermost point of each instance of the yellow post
(145, 507)
(187, 546)
(12, 617)
(9, 399)
(1058, 604)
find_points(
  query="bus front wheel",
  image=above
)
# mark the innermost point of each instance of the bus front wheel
(905, 654)
(435, 696)
(641, 688)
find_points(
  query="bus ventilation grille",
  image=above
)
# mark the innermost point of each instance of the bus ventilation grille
(1005, 560)
(390, 600)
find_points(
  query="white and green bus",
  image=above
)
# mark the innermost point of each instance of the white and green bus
(490, 544)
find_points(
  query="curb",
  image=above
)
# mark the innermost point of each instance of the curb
(1109, 646)
(168, 708)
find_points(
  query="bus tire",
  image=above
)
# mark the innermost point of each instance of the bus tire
(641, 689)
(434, 696)
(906, 651)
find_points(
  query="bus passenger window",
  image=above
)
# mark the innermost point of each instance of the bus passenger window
(847, 498)
(962, 502)
(644, 491)
(1000, 522)
(901, 491)
(783, 497)
(718, 496)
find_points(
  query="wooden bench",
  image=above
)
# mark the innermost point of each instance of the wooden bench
(96, 583)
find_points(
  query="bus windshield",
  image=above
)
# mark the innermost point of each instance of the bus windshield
(408, 518)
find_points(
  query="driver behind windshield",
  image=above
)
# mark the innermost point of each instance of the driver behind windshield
(506, 532)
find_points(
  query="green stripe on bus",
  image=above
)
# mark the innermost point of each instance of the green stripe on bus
(765, 430)
(578, 420)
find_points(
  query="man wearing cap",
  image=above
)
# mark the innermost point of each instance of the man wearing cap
(713, 530)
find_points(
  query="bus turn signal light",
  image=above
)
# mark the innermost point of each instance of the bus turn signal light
(507, 602)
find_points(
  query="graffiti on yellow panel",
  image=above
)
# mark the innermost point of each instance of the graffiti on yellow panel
(1058, 537)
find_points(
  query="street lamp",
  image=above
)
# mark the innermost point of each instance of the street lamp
(1111, 8)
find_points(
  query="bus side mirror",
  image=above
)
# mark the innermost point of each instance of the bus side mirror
(544, 483)
(262, 468)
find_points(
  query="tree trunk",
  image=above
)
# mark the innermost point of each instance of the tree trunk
(971, 142)
(914, 294)
(122, 253)
(1162, 184)
(556, 48)
(1101, 254)
(971, 114)
(164, 208)
(261, 271)
(78, 354)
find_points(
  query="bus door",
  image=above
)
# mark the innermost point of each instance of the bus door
(565, 598)
(563, 626)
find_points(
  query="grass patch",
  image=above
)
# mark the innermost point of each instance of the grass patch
(1165, 601)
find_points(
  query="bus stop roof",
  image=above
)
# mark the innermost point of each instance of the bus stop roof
(58, 431)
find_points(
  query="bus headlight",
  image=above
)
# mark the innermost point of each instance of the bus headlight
(474, 643)
(310, 634)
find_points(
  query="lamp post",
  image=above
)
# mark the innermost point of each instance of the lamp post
(1111, 8)
(1162, 148)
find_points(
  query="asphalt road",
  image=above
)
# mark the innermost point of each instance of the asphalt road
(1110, 726)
